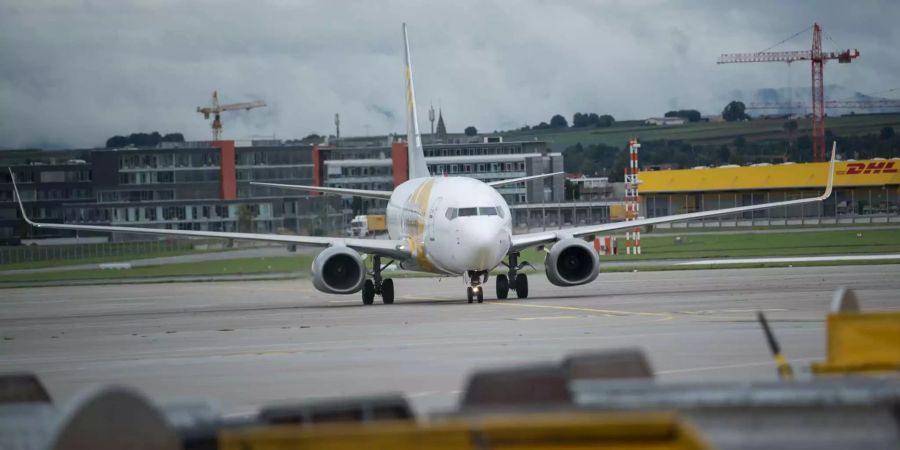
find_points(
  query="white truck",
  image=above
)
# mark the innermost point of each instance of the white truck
(367, 225)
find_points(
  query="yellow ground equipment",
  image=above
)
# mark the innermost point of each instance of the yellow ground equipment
(860, 342)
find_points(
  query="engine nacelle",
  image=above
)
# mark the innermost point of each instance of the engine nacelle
(571, 262)
(338, 270)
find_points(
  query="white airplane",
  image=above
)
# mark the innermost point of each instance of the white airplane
(443, 225)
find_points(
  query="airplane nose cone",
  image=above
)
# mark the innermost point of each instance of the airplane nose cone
(485, 245)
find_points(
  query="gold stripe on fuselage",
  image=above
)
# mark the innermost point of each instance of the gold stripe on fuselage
(419, 201)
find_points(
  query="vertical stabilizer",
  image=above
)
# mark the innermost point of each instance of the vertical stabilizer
(417, 167)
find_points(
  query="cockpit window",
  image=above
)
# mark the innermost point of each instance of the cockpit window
(453, 213)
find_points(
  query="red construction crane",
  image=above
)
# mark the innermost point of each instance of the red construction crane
(818, 58)
(217, 109)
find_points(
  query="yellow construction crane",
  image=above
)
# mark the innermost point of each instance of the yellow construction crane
(217, 109)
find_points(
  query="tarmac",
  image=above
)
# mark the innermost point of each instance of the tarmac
(247, 343)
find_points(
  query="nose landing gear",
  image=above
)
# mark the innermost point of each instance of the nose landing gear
(475, 293)
(378, 286)
(476, 280)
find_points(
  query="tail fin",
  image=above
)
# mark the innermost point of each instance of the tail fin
(417, 166)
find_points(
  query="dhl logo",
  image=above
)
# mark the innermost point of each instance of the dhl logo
(872, 167)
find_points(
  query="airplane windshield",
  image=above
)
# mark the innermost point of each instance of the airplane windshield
(453, 213)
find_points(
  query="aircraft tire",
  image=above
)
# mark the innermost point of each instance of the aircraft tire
(522, 285)
(470, 294)
(387, 291)
(368, 292)
(502, 286)
(480, 295)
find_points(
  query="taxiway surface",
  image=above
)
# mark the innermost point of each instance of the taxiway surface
(248, 343)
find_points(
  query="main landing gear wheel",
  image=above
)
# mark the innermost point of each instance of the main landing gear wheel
(377, 286)
(502, 286)
(470, 294)
(387, 291)
(368, 292)
(522, 285)
(514, 280)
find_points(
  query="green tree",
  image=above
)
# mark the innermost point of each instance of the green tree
(572, 191)
(558, 121)
(244, 218)
(173, 137)
(723, 154)
(691, 115)
(471, 131)
(579, 120)
(735, 111)
(312, 138)
(791, 127)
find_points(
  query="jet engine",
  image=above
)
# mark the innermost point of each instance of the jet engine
(571, 262)
(338, 270)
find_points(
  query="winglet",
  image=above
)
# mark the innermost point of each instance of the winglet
(19, 198)
(830, 183)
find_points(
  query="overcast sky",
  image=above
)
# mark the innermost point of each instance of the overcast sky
(73, 73)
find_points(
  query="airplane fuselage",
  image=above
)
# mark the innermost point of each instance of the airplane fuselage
(450, 224)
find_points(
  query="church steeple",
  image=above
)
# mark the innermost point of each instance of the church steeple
(441, 132)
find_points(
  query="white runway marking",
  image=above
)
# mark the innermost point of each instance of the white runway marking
(790, 259)
(547, 317)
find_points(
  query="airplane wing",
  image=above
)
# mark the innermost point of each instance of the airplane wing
(521, 179)
(522, 241)
(396, 249)
(383, 195)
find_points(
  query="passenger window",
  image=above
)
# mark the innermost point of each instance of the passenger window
(487, 211)
(451, 213)
(463, 212)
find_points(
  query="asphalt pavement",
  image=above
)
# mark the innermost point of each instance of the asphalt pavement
(247, 343)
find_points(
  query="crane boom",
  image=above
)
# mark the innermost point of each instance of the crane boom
(231, 107)
(787, 57)
(215, 109)
(729, 58)
(829, 104)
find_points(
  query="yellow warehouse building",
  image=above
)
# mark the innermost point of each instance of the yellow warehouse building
(865, 191)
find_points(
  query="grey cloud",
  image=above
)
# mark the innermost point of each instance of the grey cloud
(73, 73)
(384, 112)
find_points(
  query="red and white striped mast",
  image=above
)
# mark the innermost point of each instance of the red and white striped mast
(632, 201)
